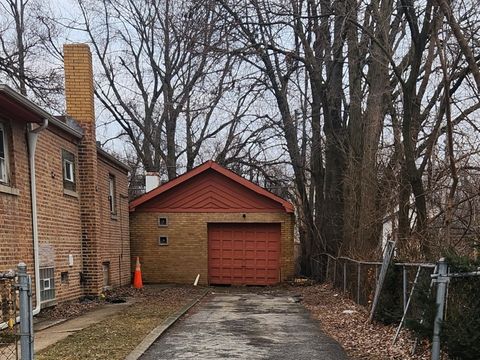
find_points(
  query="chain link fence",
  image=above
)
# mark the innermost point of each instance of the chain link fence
(9, 336)
(438, 296)
(358, 279)
(16, 315)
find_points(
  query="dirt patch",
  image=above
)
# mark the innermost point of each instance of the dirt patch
(347, 323)
(115, 337)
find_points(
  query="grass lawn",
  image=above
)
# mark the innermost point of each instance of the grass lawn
(115, 337)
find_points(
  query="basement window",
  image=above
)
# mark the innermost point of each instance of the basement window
(64, 277)
(163, 240)
(68, 161)
(3, 155)
(106, 274)
(47, 284)
(162, 221)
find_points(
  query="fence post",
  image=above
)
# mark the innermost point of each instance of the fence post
(326, 272)
(30, 317)
(441, 282)
(334, 271)
(405, 280)
(359, 280)
(25, 304)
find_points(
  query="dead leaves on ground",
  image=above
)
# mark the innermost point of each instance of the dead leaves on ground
(347, 323)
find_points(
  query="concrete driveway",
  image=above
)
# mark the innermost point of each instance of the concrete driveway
(246, 326)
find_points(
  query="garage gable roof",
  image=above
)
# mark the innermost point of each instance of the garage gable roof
(209, 166)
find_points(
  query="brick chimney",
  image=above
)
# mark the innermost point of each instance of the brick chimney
(79, 94)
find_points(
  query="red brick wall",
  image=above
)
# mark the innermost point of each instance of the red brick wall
(59, 225)
(15, 215)
(58, 214)
(114, 242)
(70, 223)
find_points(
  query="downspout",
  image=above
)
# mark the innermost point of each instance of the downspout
(32, 136)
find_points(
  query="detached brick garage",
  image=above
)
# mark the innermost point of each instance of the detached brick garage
(212, 222)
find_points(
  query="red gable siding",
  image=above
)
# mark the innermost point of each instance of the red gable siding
(211, 191)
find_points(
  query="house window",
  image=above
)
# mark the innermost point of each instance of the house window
(163, 240)
(162, 221)
(111, 194)
(3, 155)
(68, 161)
(47, 284)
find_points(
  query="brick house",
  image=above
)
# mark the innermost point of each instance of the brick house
(212, 222)
(63, 200)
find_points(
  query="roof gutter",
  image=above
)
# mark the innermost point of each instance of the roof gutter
(32, 137)
(24, 101)
(30, 105)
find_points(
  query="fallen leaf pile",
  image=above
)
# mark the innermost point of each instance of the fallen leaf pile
(69, 309)
(347, 322)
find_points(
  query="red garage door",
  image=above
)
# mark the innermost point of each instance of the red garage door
(243, 254)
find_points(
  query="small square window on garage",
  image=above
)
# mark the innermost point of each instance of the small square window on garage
(162, 221)
(47, 284)
(163, 240)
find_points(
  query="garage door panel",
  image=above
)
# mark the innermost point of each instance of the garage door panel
(250, 263)
(249, 254)
(215, 244)
(272, 246)
(236, 263)
(244, 254)
(250, 245)
(238, 244)
(261, 263)
(262, 254)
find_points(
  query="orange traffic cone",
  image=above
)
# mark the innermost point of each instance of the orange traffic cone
(137, 277)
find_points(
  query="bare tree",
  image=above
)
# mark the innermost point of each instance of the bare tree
(26, 60)
(160, 77)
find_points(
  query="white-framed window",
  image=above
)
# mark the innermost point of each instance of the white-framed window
(3, 155)
(68, 166)
(162, 221)
(47, 284)
(111, 194)
(162, 240)
(68, 170)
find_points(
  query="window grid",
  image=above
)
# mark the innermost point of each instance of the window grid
(47, 284)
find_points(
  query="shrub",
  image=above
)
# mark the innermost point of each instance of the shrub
(460, 334)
